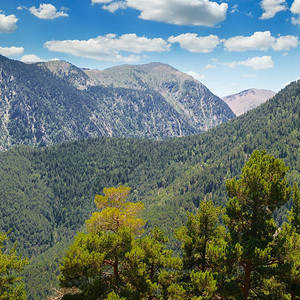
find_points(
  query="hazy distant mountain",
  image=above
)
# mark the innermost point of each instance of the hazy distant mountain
(247, 100)
(52, 102)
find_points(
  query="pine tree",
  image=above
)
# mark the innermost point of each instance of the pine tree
(203, 248)
(94, 262)
(253, 198)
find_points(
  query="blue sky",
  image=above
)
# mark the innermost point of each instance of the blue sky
(228, 45)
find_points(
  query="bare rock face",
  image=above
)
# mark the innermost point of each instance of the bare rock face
(247, 100)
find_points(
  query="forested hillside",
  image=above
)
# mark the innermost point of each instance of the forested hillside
(48, 103)
(48, 192)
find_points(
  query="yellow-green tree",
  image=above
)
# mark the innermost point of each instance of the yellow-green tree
(11, 286)
(112, 259)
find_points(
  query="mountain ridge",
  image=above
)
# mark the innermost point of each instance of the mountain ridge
(52, 102)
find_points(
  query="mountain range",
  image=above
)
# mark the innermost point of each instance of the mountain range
(52, 102)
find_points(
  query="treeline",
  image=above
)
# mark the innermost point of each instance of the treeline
(241, 254)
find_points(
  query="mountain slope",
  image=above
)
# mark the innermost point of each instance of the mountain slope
(247, 100)
(170, 177)
(46, 103)
(189, 97)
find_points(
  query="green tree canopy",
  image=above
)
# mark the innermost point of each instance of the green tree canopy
(253, 198)
(11, 286)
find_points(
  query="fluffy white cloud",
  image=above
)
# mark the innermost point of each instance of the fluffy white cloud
(258, 41)
(272, 7)
(7, 23)
(30, 58)
(286, 43)
(109, 47)
(295, 9)
(11, 51)
(195, 75)
(256, 63)
(179, 12)
(261, 41)
(193, 43)
(47, 11)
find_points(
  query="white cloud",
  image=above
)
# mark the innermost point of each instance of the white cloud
(261, 41)
(47, 12)
(7, 23)
(272, 7)
(30, 58)
(286, 43)
(193, 43)
(256, 63)
(112, 7)
(258, 41)
(180, 12)
(295, 9)
(210, 67)
(11, 51)
(109, 47)
(195, 75)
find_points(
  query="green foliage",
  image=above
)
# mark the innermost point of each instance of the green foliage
(253, 198)
(110, 258)
(11, 286)
(47, 192)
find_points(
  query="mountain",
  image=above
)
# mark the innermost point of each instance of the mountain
(52, 102)
(47, 193)
(189, 97)
(247, 100)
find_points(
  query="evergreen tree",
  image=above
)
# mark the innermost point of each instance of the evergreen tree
(11, 286)
(203, 247)
(253, 198)
(111, 260)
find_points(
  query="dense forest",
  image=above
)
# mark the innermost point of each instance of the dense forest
(55, 186)
(234, 253)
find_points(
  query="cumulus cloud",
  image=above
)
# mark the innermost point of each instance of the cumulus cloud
(180, 12)
(195, 75)
(261, 41)
(193, 43)
(256, 63)
(272, 7)
(11, 51)
(258, 41)
(285, 43)
(30, 58)
(47, 12)
(7, 23)
(109, 47)
(295, 9)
